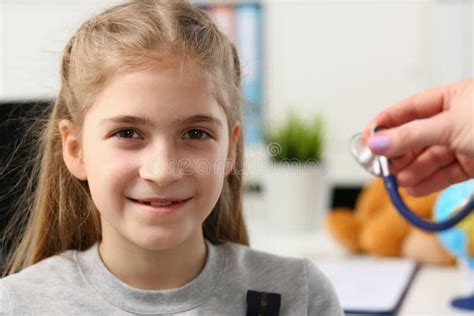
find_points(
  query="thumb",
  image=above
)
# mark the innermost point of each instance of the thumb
(411, 136)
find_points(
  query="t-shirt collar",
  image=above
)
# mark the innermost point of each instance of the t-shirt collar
(125, 297)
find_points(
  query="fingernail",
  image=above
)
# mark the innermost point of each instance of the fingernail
(379, 143)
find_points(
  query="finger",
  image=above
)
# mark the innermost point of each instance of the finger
(441, 179)
(400, 162)
(411, 136)
(418, 106)
(366, 133)
(467, 164)
(425, 165)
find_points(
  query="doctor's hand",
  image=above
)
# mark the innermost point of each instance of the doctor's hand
(429, 137)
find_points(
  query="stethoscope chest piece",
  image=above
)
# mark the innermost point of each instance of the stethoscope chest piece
(379, 167)
(376, 165)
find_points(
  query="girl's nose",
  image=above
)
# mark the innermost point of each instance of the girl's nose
(162, 168)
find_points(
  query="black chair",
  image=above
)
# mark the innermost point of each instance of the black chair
(15, 119)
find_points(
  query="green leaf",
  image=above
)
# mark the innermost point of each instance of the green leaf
(298, 139)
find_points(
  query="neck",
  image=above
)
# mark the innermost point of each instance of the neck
(154, 269)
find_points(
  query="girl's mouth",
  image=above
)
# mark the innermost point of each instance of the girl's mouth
(160, 208)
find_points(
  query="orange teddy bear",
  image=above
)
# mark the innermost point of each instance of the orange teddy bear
(375, 227)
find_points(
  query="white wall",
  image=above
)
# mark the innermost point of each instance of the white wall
(345, 59)
(33, 38)
(350, 59)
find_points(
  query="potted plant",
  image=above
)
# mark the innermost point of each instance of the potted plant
(296, 189)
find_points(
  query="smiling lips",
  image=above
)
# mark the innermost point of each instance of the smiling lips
(159, 202)
(161, 208)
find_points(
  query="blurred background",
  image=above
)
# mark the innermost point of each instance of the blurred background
(343, 61)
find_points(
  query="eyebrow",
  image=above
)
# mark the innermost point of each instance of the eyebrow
(138, 120)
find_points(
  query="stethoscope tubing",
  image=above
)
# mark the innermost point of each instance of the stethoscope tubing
(379, 166)
(391, 186)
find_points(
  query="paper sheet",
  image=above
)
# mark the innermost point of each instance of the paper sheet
(367, 284)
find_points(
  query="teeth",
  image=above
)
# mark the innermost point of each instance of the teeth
(157, 204)
(160, 204)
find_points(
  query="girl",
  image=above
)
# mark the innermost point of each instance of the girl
(138, 206)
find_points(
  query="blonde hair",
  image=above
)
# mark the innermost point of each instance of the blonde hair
(57, 213)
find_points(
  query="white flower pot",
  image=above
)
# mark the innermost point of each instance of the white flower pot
(296, 196)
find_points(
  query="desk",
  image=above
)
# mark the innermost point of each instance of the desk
(429, 294)
(432, 291)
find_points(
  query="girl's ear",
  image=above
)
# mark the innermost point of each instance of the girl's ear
(232, 153)
(72, 154)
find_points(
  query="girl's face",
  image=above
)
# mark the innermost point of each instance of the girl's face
(181, 151)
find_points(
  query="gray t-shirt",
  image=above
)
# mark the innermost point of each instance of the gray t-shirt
(78, 283)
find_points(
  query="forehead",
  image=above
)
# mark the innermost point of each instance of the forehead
(168, 94)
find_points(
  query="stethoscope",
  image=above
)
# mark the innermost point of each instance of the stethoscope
(379, 167)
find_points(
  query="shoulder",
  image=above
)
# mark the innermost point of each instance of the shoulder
(322, 298)
(298, 280)
(42, 271)
(261, 267)
(50, 278)
(247, 258)
(244, 255)
(5, 308)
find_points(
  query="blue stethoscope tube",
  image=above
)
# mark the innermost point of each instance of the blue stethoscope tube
(391, 186)
(379, 166)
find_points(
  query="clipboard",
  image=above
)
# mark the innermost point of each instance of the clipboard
(369, 285)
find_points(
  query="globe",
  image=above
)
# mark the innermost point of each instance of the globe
(459, 240)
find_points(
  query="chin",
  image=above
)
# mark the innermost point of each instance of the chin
(160, 241)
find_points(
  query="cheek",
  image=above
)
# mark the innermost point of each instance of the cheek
(210, 160)
(209, 173)
(208, 166)
(108, 172)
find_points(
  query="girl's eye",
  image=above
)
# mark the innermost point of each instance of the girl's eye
(197, 134)
(193, 134)
(125, 133)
